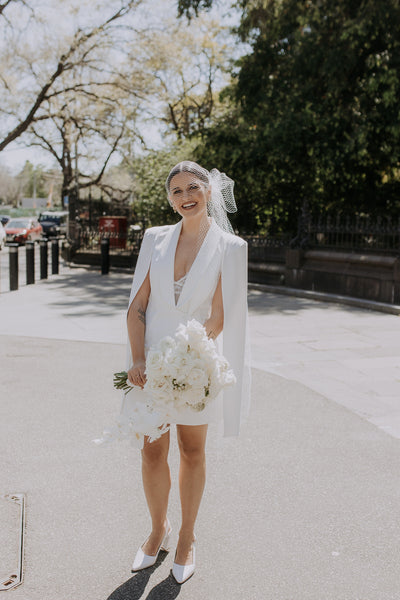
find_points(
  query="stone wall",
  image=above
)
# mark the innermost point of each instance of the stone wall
(368, 276)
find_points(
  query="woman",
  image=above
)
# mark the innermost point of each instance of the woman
(194, 269)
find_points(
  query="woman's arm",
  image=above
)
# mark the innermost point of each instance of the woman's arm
(215, 323)
(136, 322)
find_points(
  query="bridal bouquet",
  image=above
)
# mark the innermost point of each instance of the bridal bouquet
(186, 371)
(182, 372)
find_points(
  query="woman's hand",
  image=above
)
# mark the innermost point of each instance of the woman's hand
(213, 327)
(137, 375)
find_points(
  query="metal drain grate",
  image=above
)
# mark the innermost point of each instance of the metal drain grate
(13, 527)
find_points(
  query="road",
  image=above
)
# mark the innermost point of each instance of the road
(304, 505)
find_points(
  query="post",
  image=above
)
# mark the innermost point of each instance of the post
(13, 265)
(30, 263)
(43, 259)
(105, 256)
(54, 257)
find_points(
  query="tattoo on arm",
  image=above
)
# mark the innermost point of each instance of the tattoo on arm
(142, 316)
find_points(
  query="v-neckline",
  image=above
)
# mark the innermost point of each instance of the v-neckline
(187, 274)
(195, 258)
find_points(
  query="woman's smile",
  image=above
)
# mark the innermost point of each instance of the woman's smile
(188, 205)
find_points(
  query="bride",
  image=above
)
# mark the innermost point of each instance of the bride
(194, 269)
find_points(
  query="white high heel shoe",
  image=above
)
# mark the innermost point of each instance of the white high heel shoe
(143, 561)
(182, 573)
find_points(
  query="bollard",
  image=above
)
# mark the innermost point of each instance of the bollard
(43, 259)
(13, 265)
(105, 256)
(30, 262)
(54, 257)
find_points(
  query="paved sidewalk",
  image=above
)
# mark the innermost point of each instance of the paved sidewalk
(303, 506)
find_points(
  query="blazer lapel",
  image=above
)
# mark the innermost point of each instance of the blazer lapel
(165, 258)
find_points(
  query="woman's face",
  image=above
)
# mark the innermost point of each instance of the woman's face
(188, 194)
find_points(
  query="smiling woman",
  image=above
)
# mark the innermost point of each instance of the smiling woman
(197, 270)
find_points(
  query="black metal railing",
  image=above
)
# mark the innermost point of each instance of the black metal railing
(266, 248)
(89, 239)
(354, 233)
(331, 232)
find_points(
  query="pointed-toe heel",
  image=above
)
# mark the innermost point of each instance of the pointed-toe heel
(143, 561)
(182, 573)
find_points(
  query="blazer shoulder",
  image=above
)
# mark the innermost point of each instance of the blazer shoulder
(153, 232)
(233, 241)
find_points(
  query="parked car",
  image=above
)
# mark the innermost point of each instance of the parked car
(23, 229)
(4, 219)
(54, 223)
(2, 236)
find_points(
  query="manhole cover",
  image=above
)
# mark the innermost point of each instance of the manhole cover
(12, 525)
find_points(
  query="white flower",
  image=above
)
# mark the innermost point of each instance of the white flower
(182, 372)
(186, 371)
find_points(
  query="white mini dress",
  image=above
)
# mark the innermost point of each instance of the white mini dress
(174, 302)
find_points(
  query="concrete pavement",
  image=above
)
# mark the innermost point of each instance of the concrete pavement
(303, 506)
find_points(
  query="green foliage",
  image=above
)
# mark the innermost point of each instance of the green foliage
(149, 172)
(191, 8)
(33, 180)
(315, 112)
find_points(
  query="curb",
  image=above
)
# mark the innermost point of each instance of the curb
(391, 309)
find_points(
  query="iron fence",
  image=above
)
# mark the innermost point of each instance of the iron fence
(266, 248)
(88, 239)
(354, 233)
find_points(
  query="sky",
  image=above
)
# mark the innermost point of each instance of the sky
(14, 156)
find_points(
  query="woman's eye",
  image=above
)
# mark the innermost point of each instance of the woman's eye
(194, 187)
(176, 192)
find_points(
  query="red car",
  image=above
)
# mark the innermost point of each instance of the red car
(23, 229)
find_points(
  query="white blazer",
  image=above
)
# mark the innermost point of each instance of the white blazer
(221, 253)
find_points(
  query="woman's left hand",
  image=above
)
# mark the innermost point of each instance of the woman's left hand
(213, 327)
(137, 374)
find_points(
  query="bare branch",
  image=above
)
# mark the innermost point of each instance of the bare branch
(5, 4)
(63, 65)
(113, 149)
(46, 145)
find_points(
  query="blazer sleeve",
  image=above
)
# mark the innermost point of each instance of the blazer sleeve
(141, 270)
(143, 262)
(142, 267)
(236, 346)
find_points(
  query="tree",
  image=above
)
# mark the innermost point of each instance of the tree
(10, 188)
(185, 65)
(149, 173)
(321, 86)
(314, 111)
(191, 8)
(34, 74)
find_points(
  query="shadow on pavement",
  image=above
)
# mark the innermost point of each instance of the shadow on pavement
(165, 590)
(108, 293)
(134, 588)
(268, 302)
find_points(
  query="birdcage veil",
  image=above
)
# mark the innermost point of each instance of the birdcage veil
(222, 199)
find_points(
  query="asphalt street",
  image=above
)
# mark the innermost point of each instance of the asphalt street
(304, 505)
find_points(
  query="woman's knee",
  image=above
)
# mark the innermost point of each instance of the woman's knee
(194, 454)
(154, 453)
(192, 441)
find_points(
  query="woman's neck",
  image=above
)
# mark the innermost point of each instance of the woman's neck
(194, 225)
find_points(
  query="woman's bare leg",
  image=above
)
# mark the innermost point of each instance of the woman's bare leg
(192, 477)
(156, 483)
